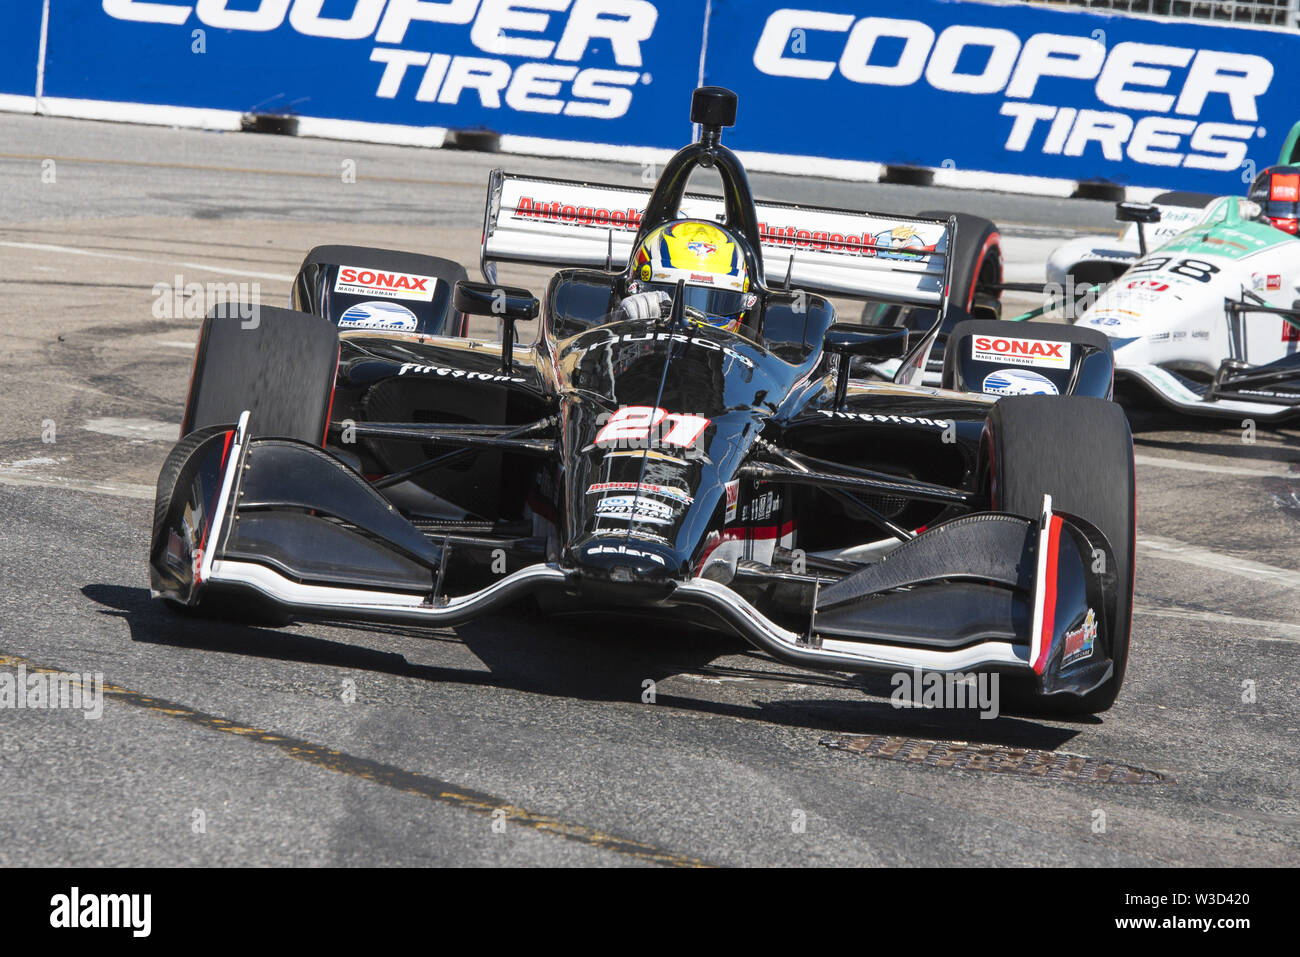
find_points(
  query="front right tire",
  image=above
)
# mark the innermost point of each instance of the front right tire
(1079, 450)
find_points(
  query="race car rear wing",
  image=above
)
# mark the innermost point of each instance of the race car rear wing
(834, 252)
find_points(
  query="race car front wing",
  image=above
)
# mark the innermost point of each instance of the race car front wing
(294, 526)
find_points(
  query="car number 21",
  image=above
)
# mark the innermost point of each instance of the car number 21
(635, 424)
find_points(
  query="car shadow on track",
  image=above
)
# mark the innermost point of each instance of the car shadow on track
(578, 658)
(1150, 419)
(1247, 452)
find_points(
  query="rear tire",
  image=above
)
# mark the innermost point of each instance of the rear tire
(977, 258)
(1088, 471)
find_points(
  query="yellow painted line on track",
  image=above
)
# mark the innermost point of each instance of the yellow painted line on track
(409, 782)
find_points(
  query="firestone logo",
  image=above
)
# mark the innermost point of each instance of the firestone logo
(548, 81)
(1172, 85)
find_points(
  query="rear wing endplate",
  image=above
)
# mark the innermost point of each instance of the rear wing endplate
(833, 252)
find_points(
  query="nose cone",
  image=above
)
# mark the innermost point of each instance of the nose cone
(1126, 337)
(627, 565)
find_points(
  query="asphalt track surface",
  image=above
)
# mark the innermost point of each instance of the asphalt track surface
(521, 741)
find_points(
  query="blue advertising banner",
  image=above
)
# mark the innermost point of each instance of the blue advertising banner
(579, 70)
(20, 43)
(996, 87)
(1008, 88)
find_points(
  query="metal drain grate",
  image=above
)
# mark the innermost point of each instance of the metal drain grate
(1050, 765)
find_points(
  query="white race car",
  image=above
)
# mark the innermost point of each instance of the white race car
(1091, 260)
(1208, 320)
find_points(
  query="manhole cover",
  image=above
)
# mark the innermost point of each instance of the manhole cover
(1052, 765)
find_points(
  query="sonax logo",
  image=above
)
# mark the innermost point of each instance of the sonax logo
(1028, 352)
(359, 281)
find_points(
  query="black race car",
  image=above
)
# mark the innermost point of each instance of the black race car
(360, 457)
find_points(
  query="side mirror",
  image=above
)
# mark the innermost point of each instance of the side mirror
(1144, 214)
(848, 340)
(504, 302)
(878, 342)
(510, 304)
(1137, 213)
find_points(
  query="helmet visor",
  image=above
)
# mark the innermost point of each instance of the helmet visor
(721, 307)
(1284, 216)
(1278, 194)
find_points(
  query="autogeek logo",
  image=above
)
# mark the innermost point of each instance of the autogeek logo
(1171, 85)
(550, 80)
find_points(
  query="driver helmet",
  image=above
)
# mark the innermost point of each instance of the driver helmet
(708, 258)
(1277, 191)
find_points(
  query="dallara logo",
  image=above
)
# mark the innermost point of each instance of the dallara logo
(551, 78)
(1152, 96)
